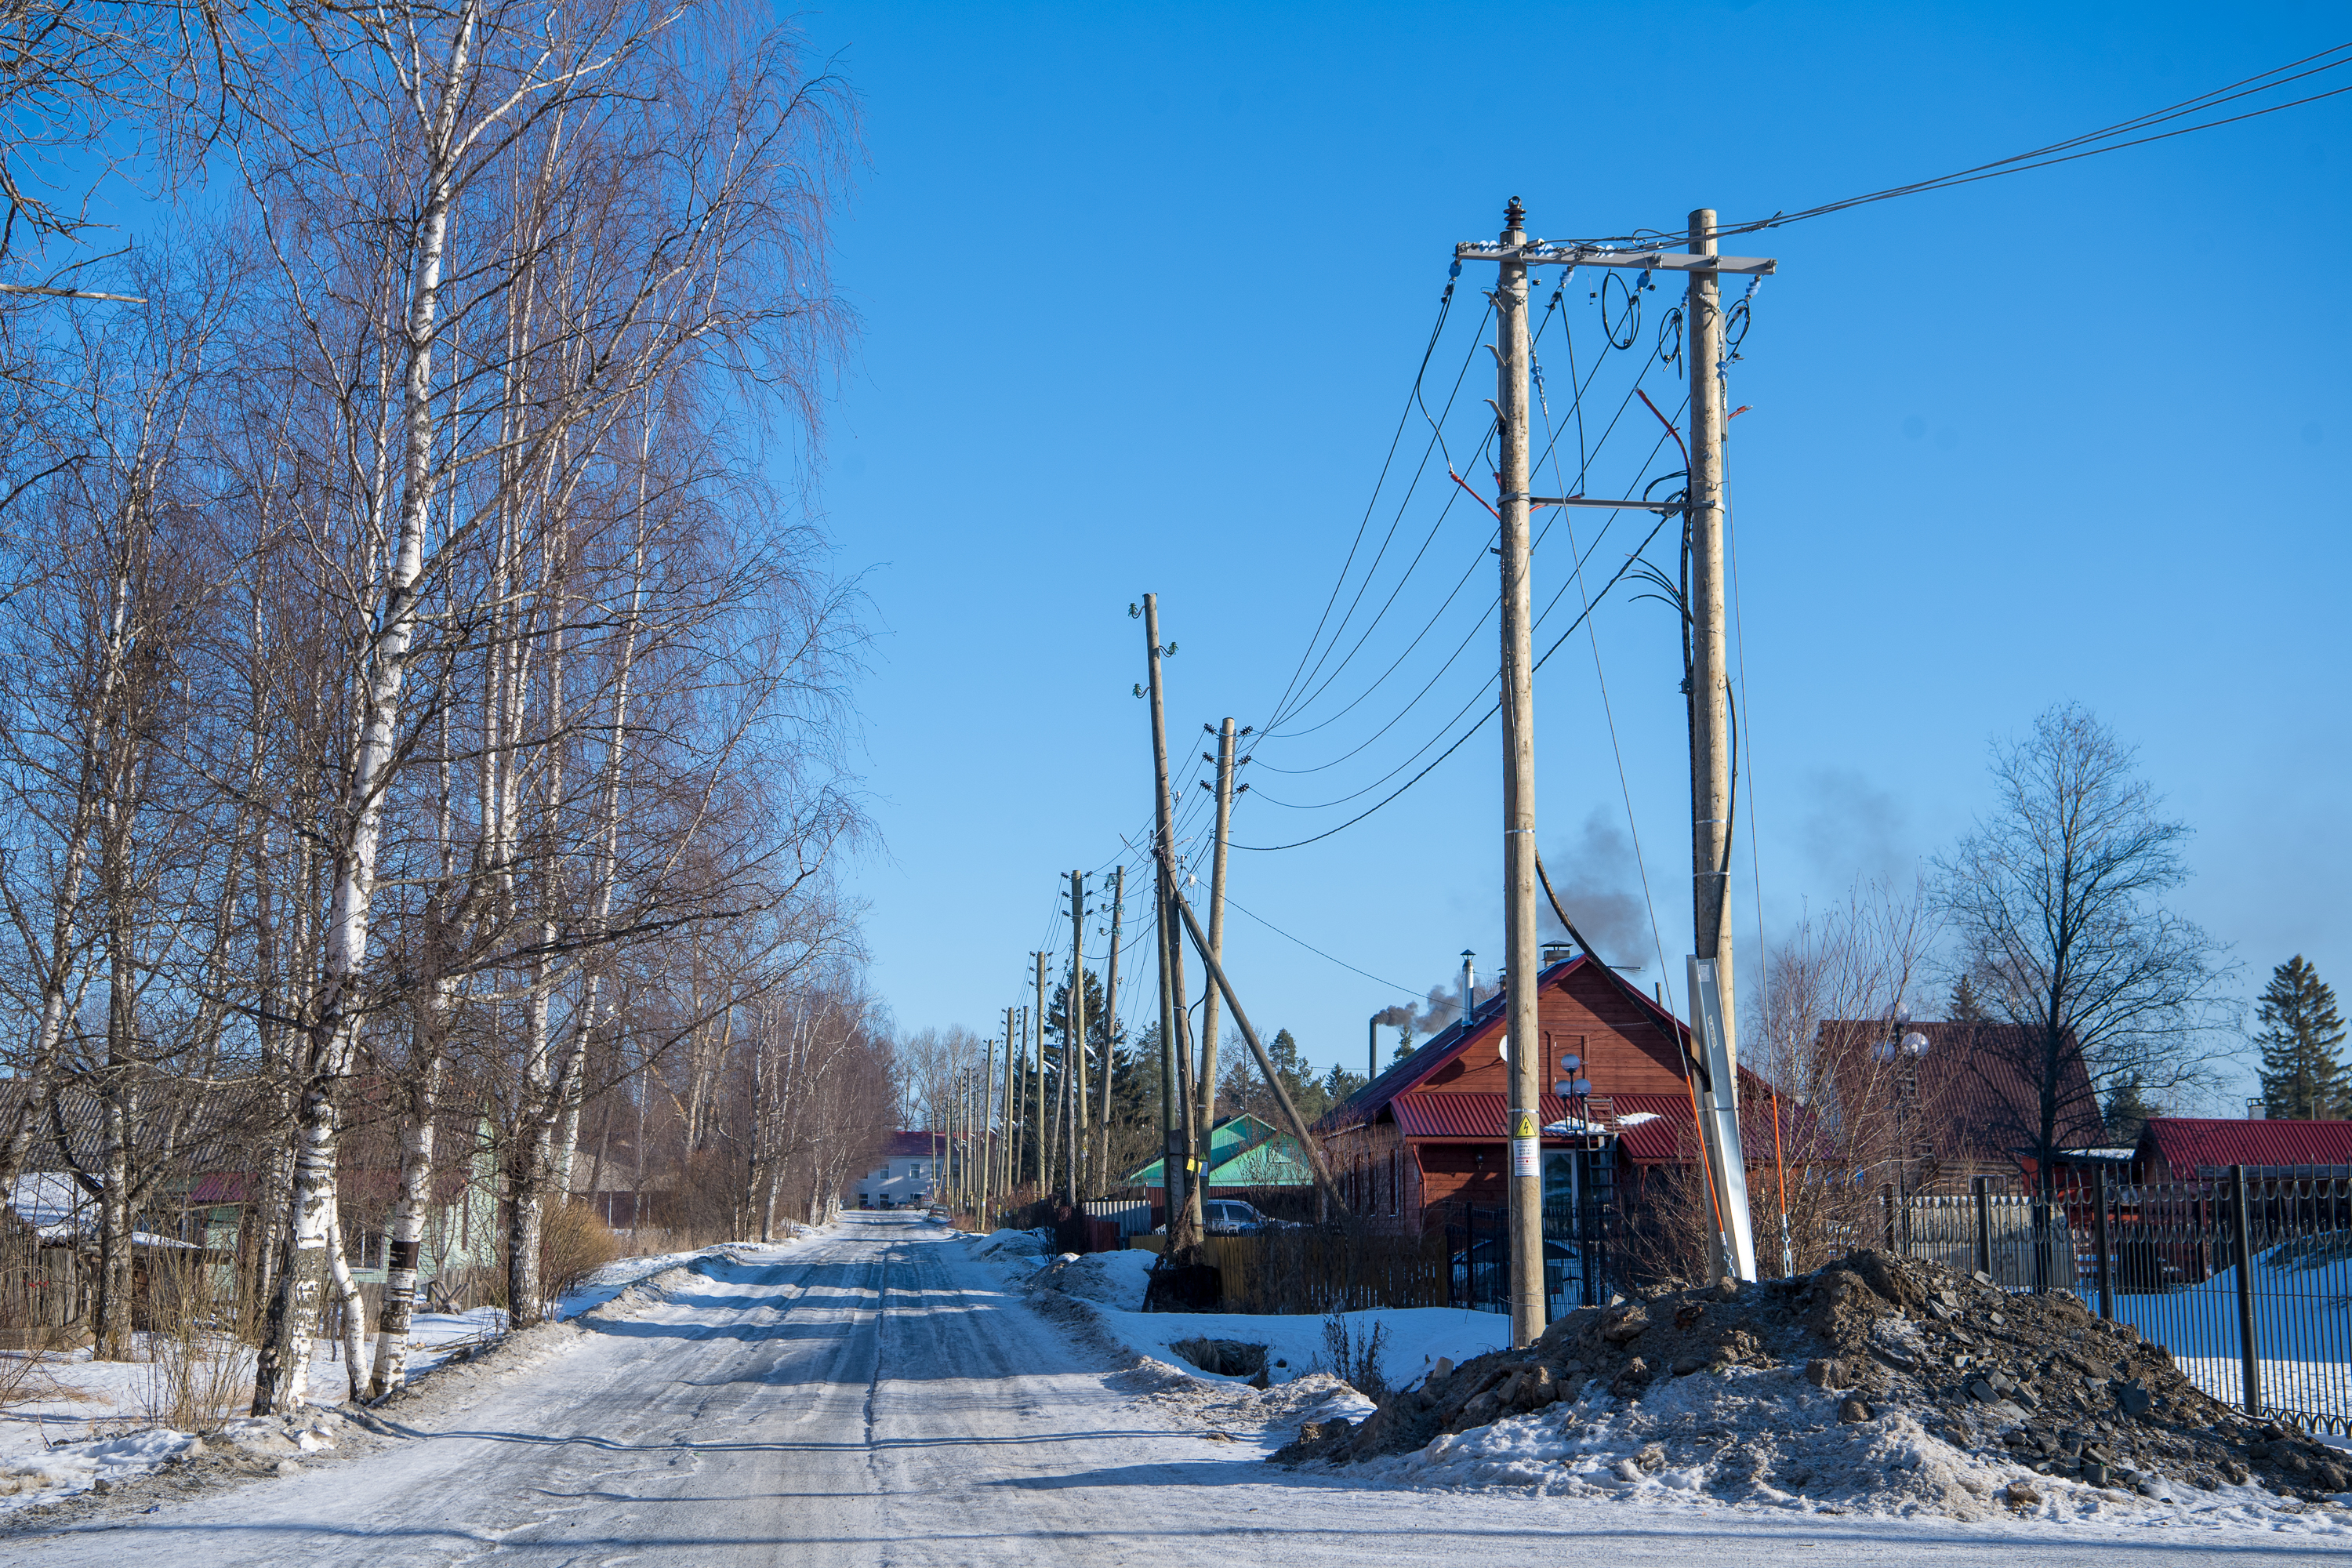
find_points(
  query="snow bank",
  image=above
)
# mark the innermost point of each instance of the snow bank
(1011, 1246)
(1114, 1280)
(2304, 1311)
(1412, 1338)
(77, 1466)
(1759, 1437)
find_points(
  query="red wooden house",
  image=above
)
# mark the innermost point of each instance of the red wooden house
(1430, 1132)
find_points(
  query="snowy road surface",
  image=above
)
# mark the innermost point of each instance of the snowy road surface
(874, 1396)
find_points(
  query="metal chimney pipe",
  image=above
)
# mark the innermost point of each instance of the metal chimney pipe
(1469, 984)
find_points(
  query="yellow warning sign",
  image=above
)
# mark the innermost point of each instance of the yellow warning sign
(1524, 1127)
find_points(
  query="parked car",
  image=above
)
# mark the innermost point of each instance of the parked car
(1232, 1217)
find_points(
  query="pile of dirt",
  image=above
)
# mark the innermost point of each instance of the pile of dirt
(1895, 1344)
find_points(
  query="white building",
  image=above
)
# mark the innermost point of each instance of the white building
(903, 1174)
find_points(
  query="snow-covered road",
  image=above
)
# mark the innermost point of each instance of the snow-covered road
(877, 1397)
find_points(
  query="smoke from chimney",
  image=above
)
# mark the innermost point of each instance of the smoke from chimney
(1598, 880)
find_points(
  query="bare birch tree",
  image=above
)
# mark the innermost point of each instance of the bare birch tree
(2055, 900)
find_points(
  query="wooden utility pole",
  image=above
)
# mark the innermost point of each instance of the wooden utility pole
(1175, 1159)
(1037, 1027)
(1206, 1129)
(1515, 253)
(1710, 748)
(1010, 1163)
(1524, 1112)
(1055, 1155)
(1074, 1028)
(1111, 1027)
(984, 1091)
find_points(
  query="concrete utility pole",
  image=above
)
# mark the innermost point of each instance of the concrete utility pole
(1110, 1027)
(1073, 1036)
(1514, 254)
(1205, 1130)
(1710, 746)
(1175, 1162)
(1519, 956)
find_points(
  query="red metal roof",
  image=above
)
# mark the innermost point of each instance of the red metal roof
(2188, 1144)
(1659, 1134)
(1466, 1115)
(913, 1145)
(218, 1187)
(1667, 1137)
(1980, 1086)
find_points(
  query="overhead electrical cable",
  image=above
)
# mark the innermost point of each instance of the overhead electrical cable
(2065, 152)
(1609, 717)
(1232, 904)
(1405, 417)
(1614, 581)
(1284, 708)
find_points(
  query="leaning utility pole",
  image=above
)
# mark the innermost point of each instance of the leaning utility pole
(1515, 253)
(1710, 747)
(1175, 1159)
(1288, 1110)
(1074, 1021)
(1111, 1027)
(1206, 1126)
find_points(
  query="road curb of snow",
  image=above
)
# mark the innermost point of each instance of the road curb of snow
(131, 1472)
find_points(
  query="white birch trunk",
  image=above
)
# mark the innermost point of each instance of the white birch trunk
(354, 1308)
(404, 1235)
(282, 1368)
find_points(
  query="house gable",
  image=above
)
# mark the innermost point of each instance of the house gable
(1628, 1044)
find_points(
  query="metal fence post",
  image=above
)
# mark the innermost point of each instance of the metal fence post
(1984, 1227)
(2106, 1268)
(2250, 1365)
(1887, 1201)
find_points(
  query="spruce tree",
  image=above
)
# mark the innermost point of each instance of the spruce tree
(2127, 1114)
(1966, 1008)
(2303, 1079)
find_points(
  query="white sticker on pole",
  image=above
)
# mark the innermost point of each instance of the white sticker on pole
(1527, 1156)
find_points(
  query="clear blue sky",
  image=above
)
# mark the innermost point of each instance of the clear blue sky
(1143, 290)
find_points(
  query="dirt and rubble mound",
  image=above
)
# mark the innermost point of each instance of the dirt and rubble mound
(1772, 1380)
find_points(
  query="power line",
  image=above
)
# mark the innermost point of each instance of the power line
(2065, 152)
(1585, 468)
(1269, 849)
(1318, 952)
(1285, 710)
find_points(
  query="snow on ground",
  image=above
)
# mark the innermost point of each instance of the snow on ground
(2305, 1311)
(889, 1396)
(1412, 1339)
(1690, 1442)
(1728, 1438)
(80, 1421)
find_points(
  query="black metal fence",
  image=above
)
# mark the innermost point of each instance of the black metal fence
(2243, 1275)
(1576, 1247)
